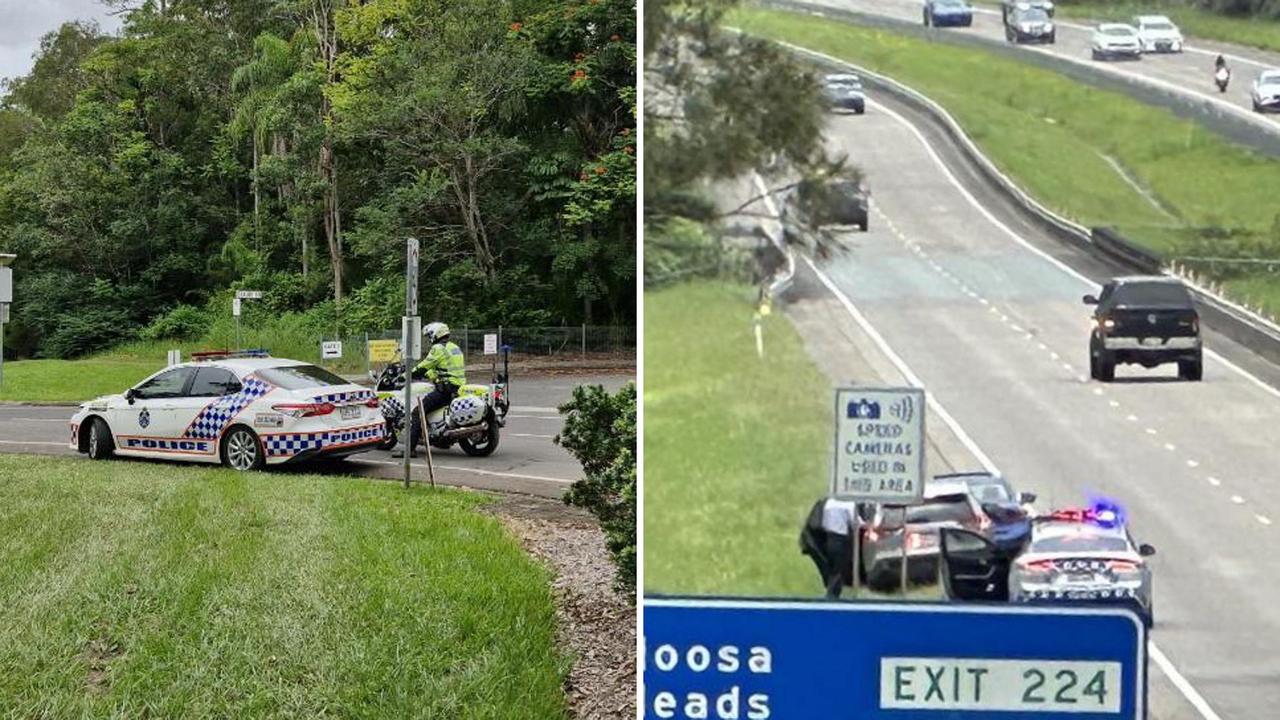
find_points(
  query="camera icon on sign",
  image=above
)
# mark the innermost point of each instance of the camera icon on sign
(863, 409)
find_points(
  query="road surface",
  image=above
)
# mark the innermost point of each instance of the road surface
(526, 461)
(986, 310)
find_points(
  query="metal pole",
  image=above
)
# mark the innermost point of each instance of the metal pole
(855, 526)
(409, 338)
(237, 332)
(905, 554)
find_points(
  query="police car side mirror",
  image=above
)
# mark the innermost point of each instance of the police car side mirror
(131, 394)
(1146, 550)
(1090, 300)
(1026, 498)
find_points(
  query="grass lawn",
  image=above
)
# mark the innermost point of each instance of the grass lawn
(57, 381)
(1054, 136)
(150, 590)
(1254, 32)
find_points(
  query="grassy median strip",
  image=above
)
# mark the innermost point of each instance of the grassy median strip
(146, 589)
(1099, 157)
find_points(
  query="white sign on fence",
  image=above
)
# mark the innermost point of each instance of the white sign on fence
(175, 357)
(249, 294)
(491, 344)
(6, 285)
(235, 307)
(331, 349)
(411, 337)
(879, 453)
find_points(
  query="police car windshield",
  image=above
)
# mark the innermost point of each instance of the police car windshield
(300, 377)
(1079, 542)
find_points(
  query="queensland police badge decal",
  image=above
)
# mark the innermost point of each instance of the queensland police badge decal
(144, 418)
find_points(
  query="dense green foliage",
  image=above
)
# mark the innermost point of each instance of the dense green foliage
(150, 590)
(292, 145)
(600, 430)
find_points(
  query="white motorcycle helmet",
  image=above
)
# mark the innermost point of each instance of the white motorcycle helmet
(435, 332)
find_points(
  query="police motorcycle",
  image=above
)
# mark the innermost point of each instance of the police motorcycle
(472, 419)
(1221, 74)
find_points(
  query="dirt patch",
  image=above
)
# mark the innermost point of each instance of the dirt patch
(596, 623)
(97, 656)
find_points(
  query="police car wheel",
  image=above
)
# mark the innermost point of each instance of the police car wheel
(101, 445)
(241, 449)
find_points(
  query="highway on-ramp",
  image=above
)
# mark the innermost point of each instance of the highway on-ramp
(527, 461)
(1189, 73)
(986, 310)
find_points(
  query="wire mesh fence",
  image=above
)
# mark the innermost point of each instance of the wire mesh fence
(549, 344)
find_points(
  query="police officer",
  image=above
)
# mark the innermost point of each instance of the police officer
(827, 538)
(446, 368)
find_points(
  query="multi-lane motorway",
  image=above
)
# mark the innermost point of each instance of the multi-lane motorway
(986, 313)
(1190, 72)
(526, 461)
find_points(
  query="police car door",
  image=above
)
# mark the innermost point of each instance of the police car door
(210, 383)
(144, 426)
(972, 567)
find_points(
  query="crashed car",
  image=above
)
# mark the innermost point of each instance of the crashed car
(243, 409)
(1115, 40)
(947, 13)
(1029, 25)
(844, 92)
(1074, 555)
(1266, 92)
(1145, 320)
(979, 502)
(1158, 34)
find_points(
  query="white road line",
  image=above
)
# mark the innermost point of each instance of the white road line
(1151, 431)
(1237, 499)
(548, 437)
(1190, 464)
(1131, 418)
(1214, 481)
(1188, 691)
(1170, 447)
(1263, 519)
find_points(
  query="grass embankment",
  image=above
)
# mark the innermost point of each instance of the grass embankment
(1196, 23)
(736, 448)
(138, 589)
(1066, 143)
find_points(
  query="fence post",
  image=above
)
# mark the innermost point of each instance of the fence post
(584, 341)
(368, 362)
(466, 346)
(499, 336)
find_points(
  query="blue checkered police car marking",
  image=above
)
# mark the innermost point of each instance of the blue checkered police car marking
(214, 417)
(344, 397)
(282, 444)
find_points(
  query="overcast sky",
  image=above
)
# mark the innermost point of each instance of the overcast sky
(22, 22)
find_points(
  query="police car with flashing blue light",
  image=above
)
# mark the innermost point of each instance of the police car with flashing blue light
(1074, 555)
(244, 409)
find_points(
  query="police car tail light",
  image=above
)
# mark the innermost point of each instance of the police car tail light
(372, 402)
(1036, 567)
(301, 410)
(1122, 566)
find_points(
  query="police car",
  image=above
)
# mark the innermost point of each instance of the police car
(1074, 555)
(243, 409)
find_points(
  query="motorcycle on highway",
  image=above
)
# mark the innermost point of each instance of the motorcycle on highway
(1221, 74)
(473, 419)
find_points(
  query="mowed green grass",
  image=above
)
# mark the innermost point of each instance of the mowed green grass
(1194, 22)
(153, 590)
(67, 381)
(736, 448)
(1054, 136)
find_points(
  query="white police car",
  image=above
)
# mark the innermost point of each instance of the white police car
(243, 409)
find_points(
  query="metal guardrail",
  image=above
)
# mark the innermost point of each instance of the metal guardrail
(1233, 320)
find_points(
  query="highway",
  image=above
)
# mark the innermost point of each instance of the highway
(985, 311)
(526, 461)
(1190, 72)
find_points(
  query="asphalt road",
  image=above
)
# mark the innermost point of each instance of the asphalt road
(526, 461)
(1189, 72)
(986, 311)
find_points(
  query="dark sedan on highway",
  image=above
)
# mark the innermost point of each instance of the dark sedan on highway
(947, 13)
(1029, 25)
(844, 92)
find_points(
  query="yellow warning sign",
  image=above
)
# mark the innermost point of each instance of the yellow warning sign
(383, 350)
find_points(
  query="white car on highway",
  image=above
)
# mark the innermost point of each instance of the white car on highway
(1112, 40)
(1266, 92)
(245, 410)
(1158, 34)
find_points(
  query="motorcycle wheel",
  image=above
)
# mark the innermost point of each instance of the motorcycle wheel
(485, 445)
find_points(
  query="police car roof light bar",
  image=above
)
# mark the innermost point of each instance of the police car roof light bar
(228, 354)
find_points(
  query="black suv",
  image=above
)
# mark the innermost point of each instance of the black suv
(1147, 321)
